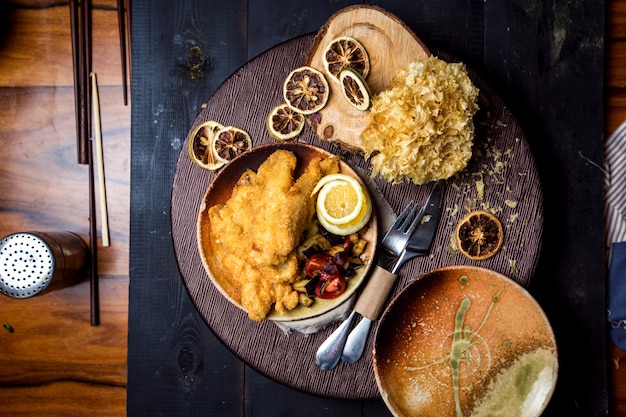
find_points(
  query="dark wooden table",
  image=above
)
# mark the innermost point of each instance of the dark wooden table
(546, 60)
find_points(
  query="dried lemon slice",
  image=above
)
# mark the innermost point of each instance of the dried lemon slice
(479, 235)
(284, 123)
(306, 90)
(343, 205)
(355, 89)
(229, 142)
(200, 148)
(343, 52)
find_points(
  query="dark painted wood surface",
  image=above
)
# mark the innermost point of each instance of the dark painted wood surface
(546, 61)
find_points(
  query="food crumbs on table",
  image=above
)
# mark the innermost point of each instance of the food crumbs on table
(480, 187)
(454, 210)
(8, 327)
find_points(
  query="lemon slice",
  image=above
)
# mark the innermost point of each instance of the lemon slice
(343, 205)
(229, 142)
(340, 202)
(284, 123)
(306, 90)
(333, 177)
(355, 89)
(355, 225)
(479, 235)
(345, 52)
(199, 146)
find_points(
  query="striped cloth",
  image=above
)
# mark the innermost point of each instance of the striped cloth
(615, 186)
(615, 228)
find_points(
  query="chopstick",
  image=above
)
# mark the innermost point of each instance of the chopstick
(129, 49)
(85, 72)
(80, 20)
(97, 125)
(122, 30)
(86, 67)
(94, 287)
(77, 58)
(94, 291)
(95, 147)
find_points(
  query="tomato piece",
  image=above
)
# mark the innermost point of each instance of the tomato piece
(317, 264)
(331, 288)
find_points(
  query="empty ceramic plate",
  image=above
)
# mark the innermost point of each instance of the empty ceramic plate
(465, 341)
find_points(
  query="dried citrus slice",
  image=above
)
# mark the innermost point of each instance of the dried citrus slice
(306, 90)
(199, 146)
(355, 89)
(284, 123)
(479, 235)
(343, 52)
(229, 142)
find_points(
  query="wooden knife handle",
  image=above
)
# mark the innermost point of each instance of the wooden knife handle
(373, 299)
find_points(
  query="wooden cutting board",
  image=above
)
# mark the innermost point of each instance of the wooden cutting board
(390, 45)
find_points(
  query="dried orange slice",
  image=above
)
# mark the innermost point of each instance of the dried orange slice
(343, 52)
(229, 142)
(284, 123)
(200, 148)
(306, 90)
(355, 89)
(479, 235)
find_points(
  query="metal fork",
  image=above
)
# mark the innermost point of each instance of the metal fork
(396, 238)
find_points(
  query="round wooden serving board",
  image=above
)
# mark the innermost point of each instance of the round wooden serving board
(502, 159)
(390, 45)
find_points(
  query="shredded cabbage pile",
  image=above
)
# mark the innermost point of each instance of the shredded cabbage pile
(421, 127)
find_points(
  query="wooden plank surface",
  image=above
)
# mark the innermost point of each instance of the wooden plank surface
(54, 363)
(515, 64)
(189, 371)
(547, 81)
(35, 126)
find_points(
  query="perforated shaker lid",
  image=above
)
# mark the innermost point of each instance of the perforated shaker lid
(27, 265)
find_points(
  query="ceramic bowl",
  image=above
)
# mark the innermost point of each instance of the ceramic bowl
(465, 341)
(219, 191)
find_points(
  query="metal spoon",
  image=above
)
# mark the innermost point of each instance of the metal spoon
(329, 352)
(355, 343)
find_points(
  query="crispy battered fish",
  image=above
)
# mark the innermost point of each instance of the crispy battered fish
(256, 232)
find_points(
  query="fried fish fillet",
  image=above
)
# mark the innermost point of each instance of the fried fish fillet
(255, 233)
